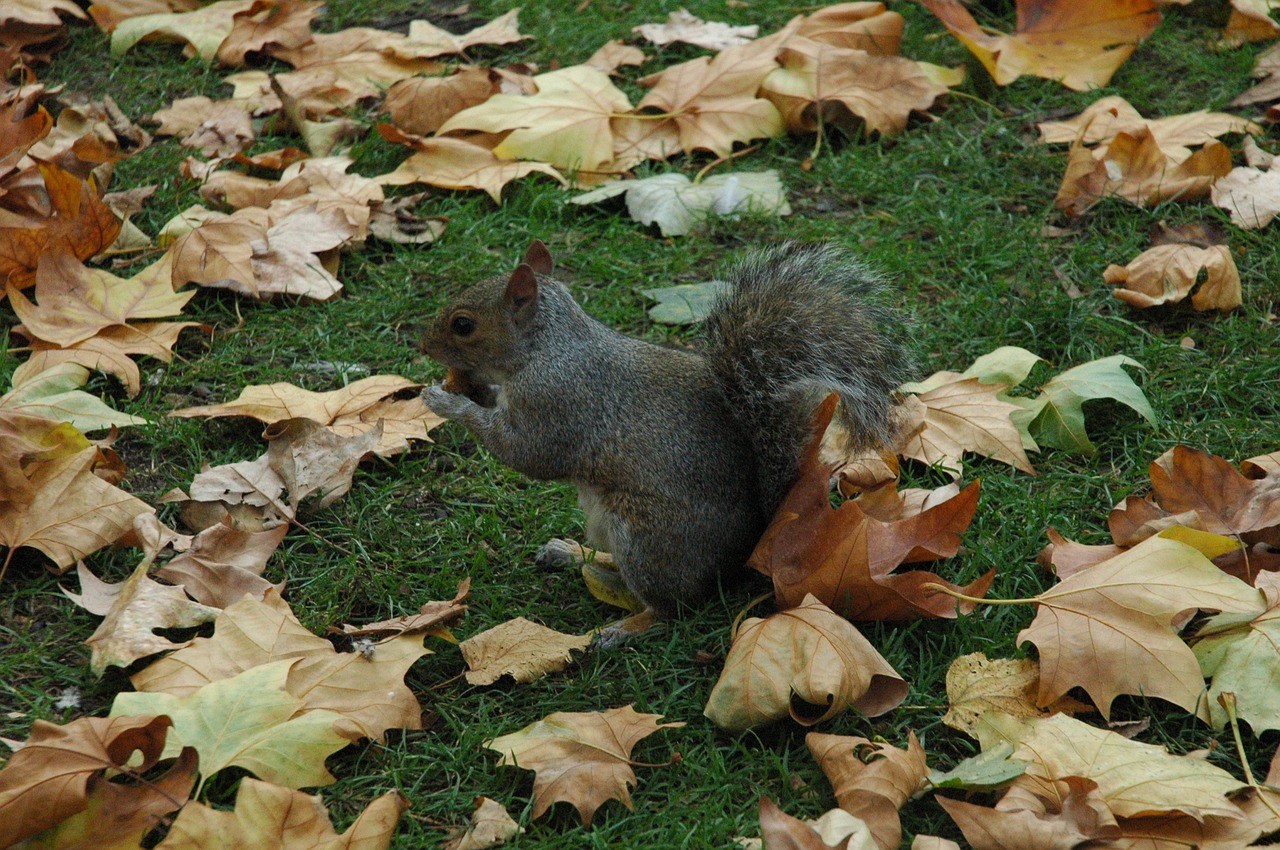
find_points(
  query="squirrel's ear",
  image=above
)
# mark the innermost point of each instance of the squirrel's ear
(522, 292)
(538, 258)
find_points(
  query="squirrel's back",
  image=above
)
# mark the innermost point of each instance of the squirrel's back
(797, 323)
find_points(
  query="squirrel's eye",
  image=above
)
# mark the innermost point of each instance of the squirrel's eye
(463, 325)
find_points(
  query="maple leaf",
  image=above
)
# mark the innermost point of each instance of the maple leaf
(1134, 779)
(1213, 495)
(107, 14)
(254, 483)
(1079, 43)
(74, 218)
(259, 254)
(836, 828)
(422, 104)
(821, 84)
(1251, 195)
(72, 512)
(976, 685)
(566, 123)
(1056, 416)
(1168, 274)
(55, 393)
(224, 563)
(1240, 655)
(676, 204)
(965, 415)
(348, 412)
(807, 662)
(1106, 117)
(871, 781)
(524, 650)
(613, 55)
(368, 692)
(430, 618)
(490, 826)
(682, 26)
(266, 815)
(248, 721)
(47, 779)
(203, 30)
(456, 164)
(25, 439)
(311, 459)
(40, 13)
(1112, 628)
(268, 25)
(1135, 169)
(1078, 817)
(426, 40)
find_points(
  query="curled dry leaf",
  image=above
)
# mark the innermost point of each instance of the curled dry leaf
(806, 662)
(223, 564)
(431, 618)
(267, 815)
(369, 692)
(1079, 43)
(1251, 195)
(202, 30)
(1112, 628)
(1077, 816)
(490, 826)
(871, 781)
(524, 650)
(977, 685)
(266, 26)
(614, 54)
(1168, 274)
(1106, 117)
(837, 828)
(582, 758)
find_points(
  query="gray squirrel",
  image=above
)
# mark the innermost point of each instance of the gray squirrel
(680, 457)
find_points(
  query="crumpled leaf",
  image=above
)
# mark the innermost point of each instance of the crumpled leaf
(1251, 195)
(977, 685)
(690, 29)
(1112, 628)
(132, 610)
(266, 26)
(524, 650)
(676, 204)
(1103, 119)
(837, 828)
(248, 721)
(806, 662)
(55, 393)
(369, 692)
(426, 40)
(224, 563)
(431, 618)
(1134, 779)
(1167, 274)
(1079, 43)
(270, 816)
(48, 779)
(490, 826)
(871, 781)
(1078, 818)
(582, 758)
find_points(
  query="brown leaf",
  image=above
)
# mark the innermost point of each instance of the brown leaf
(223, 564)
(490, 826)
(268, 25)
(684, 27)
(349, 411)
(313, 460)
(47, 779)
(613, 55)
(1028, 822)
(1251, 195)
(780, 831)
(268, 815)
(26, 438)
(107, 14)
(426, 40)
(421, 105)
(1066, 557)
(1168, 274)
(964, 416)
(977, 685)
(871, 781)
(806, 662)
(524, 650)
(431, 617)
(368, 691)
(1251, 21)
(1222, 500)
(1079, 43)
(456, 164)
(582, 758)
(1174, 134)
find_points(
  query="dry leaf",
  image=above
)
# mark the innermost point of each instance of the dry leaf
(1168, 273)
(1240, 655)
(430, 618)
(524, 650)
(456, 164)
(614, 54)
(421, 105)
(837, 828)
(266, 26)
(871, 781)
(313, 460)
(426, 40)
(1175, 135)
(223, 564)
(963, 415)
(203, 30)
(1079, 43)
(977, 685)
(490, 826)
(682, 26)
(582, 758)
(1251, 20)
(806, 662)
(1251, 195)
(368, 691)
(55, 393)
(677, 205)
(1077, 818)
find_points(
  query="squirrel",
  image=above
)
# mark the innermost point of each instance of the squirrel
(680, 457)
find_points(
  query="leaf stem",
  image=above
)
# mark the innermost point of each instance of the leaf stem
(977, 600)
(676, 758)
(697, 178)
(7, 558)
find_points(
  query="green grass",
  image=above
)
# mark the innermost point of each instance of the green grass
(952, 210)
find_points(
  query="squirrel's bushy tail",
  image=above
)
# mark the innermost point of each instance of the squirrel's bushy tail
(797, 323)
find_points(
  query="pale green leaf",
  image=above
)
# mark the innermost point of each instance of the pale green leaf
(1056, 416)
(986, 771)
(56, 393)
(684, 303)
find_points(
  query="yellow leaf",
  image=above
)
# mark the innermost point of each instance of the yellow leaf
(522, 649)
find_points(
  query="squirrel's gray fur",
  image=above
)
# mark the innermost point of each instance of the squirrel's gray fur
(680, 457)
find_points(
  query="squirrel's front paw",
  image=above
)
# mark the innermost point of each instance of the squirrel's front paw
(444, 403)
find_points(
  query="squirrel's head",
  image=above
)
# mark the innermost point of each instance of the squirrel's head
(480, 333)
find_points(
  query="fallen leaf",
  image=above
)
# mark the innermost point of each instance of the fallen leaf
(350, 411)
(682, 26)
(1213, 495)
(837, 828)
(1240, 656)
(684, 303)
(1078, 818)
(871, 781)
(456, 164)
(1168, 274)
(676, 204)
(1175, 135)
(313, 460)
(422, 104)
(368, 692)
(55, 393)
(987, 771)
(1056, 416)
(266, 26)
(203, 30)
(1134, 779)
(977, 685)
(1112, 628)
(223, 564)
(248, 721)
(426, 40)
(269, 816)
(524, 650)
(430, 618)
(47, 780)
(490, 826)
(1079, 43)
(1251, 195)
(964, 415)
(614, 54)
(27, 439)
(582, 758)
(253, 483)
(1251, 21)
(807, 662)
